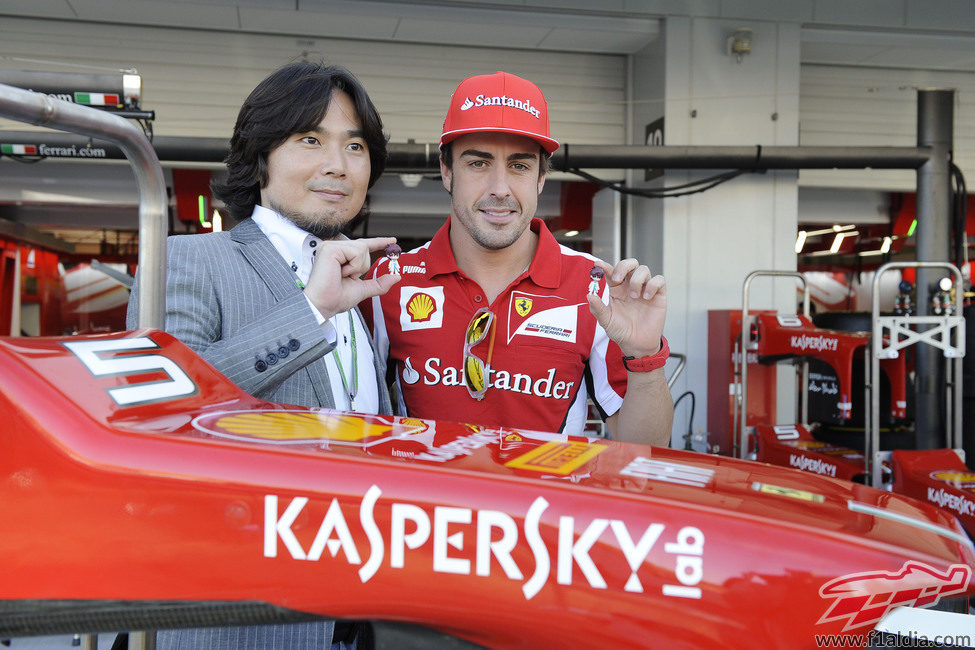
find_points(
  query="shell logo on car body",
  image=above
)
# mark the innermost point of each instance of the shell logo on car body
(954, 478)
(299, 427)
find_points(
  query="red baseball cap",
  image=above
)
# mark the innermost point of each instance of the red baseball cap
(501, 103)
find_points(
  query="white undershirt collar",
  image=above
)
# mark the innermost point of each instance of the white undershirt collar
(296, 246)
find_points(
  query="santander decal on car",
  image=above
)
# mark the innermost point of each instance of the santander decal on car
(452, 530)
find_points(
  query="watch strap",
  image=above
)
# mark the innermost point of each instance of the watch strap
(649, 363)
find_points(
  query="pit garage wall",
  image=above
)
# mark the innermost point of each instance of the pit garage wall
(196, 79)
(705, 244)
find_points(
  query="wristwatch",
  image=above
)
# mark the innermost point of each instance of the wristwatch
(650, 363)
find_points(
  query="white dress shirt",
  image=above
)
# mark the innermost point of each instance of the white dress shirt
(297, 249)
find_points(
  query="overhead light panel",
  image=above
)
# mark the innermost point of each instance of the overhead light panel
(800, 241)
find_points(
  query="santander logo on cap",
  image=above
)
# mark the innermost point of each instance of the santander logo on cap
(522, 105)
(498, 103)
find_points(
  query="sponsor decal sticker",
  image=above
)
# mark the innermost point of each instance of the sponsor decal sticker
(816, 343)
(421, 308)
(19, 149)
(954, 478)
(53, 152)
(660, 470)
(814, 465)
(113, 358)
(479, 542)
(862, 599)
(97, 99)
(792, 493)
(557, 457)
(785, 432)
(462, 446)
(823, 448)
(955, 502)
(305, 427)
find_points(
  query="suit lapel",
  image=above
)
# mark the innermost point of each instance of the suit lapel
(260, 253)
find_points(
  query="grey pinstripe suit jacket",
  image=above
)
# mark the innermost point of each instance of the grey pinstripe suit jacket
(232, 299)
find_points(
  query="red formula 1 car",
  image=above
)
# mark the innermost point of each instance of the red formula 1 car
(139, 484)
(140, 489)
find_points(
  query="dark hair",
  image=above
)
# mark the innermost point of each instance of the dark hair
(292, 99)
(544, 159)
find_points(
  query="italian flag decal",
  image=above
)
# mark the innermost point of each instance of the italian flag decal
(21, 149)
(97, 99)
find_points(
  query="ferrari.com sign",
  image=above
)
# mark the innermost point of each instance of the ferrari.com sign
(492, 535)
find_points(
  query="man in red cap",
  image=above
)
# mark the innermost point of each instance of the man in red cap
(494, 322)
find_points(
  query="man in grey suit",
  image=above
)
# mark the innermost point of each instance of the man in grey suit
(272, 303)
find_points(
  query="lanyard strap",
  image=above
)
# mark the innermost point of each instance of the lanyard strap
(355, 366)
(351, 392)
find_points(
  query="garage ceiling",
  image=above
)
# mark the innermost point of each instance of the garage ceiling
(465, 23)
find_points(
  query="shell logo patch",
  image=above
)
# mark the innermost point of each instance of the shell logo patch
(960, 480)
(557, 457)
(421, 308)
(303, 427)
(523, 306)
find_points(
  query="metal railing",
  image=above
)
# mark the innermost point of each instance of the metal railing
(42, 110)
(946, 333)
(740, 419)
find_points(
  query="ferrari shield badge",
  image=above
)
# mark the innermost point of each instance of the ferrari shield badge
(523, 306)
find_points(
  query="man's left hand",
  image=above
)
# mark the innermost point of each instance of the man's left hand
(637, 309)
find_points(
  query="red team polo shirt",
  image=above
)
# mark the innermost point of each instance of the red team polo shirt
(550, 354)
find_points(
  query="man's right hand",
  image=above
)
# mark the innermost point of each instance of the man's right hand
(336, 283)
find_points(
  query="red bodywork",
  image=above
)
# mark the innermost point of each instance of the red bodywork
(937, 476)
(724, 334)
(131, 470)
(795, 335)
(791, 445)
